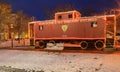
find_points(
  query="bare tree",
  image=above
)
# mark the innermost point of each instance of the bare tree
(5, 11)
(21, 23)
(12, 22)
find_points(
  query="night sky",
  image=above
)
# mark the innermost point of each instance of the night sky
(37, 7)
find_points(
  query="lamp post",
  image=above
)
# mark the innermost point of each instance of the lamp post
(11, 26)
(12, 22)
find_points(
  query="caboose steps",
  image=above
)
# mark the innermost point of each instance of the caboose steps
(109, 49)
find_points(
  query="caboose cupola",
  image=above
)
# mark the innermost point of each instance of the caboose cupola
(69, 15)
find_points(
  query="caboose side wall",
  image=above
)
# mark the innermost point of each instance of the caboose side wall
(74, 30)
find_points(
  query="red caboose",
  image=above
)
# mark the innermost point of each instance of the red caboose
(70, 28)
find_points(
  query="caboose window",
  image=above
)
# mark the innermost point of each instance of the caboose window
(94, 24)
(60, 17)
(70, 16)
(40, 27)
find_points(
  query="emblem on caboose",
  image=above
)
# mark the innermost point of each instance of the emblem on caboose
(64, 28)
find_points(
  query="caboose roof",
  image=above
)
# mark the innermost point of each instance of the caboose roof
(67, 12)
(81, 18)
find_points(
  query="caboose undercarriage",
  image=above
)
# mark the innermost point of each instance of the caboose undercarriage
(99, 44)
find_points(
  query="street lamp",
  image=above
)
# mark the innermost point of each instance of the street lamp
(12, 22)
(11, 27)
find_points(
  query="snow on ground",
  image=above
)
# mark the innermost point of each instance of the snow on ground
(60, 62)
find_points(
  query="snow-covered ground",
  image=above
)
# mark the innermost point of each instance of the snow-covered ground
(60, 62)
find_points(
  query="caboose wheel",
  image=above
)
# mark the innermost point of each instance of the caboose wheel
(83, 45)
(99, 45)
(52, 41)
(36, 44)
(41, 44)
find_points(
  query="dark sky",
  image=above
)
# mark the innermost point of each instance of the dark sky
(37, 7)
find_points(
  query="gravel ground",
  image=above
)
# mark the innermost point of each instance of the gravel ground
(36, 61)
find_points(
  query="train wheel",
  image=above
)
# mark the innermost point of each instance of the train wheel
(36, 44)
(52, 41)
(99, 45)
(83, 45)
(41, 44)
